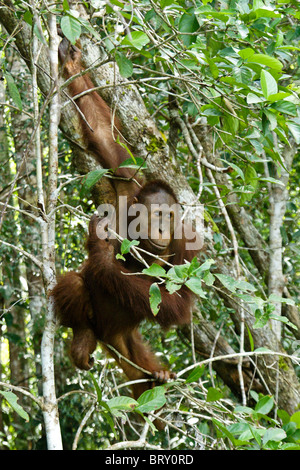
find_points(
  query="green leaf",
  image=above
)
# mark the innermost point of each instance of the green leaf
(85, 23)
(71, 28)
(251, 176)
(265, 405)
(127, 244)
(242, 75)
(244, 409)
(155, 270)
(250, 338)
(227, 282)
(195, 374)
(151, 400)
(237, 169)
(278, 298)
(188, 24)
(92, 178)
(246, 435)
(257, 146)
(204, 267)
(194, 265)
(222, 15)
(263, 59)
(13, 90)
(263, 349)
(66, 5)
(213, 394)
(208, 279)
(238, 428)
(265, 13)
(285, 107)
(27, 17)
(39, 35)
(232, 285)
(118, 404)
(96, 385)
(138, 40)
(12, 399)
(252, 98)
(278, 96)
(117, 3)
(125, 65)
(284, 320)
(172, 286)
(255, 434)
(181, 270)
(231, 125)
(294, 129)
(284, 416)
(155, 298)
(135, 163)
(110, 422)
(290, 446)
(295, 418)
(213, 68)
(272, 180)
(271, 119)
(273, 434)
(268, 84)
(195, 285)
(175, 276)
(246, 53)
(165, 3)
(261, 319)
(251, 299)
(289, 48)
(225, 431)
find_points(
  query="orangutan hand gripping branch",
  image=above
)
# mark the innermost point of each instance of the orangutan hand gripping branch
(103, 301)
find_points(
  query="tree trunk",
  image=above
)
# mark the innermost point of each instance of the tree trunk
(12, 302)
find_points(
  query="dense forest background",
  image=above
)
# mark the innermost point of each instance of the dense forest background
(208, 94)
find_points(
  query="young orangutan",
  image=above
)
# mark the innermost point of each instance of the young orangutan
(104, 301)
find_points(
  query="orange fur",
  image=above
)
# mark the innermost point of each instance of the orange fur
(101, 302)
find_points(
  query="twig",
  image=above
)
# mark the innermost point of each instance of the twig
(120, 356)
(24, 253)
(22, 211)
(140, 443)
(82, 424)
(240, 354)
(135, 250)
(37, 400)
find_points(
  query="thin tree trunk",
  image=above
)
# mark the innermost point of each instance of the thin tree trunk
(16, 313)
(3, 161)
(51, 417)
(278, 196)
